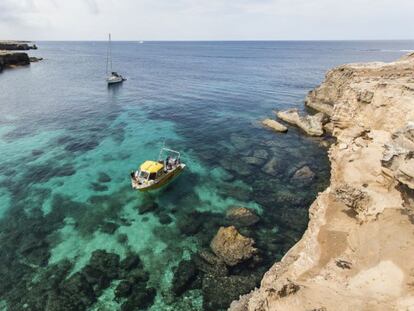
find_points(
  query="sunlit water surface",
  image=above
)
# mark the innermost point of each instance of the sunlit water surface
(68, 143)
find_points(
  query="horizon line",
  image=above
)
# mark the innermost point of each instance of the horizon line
(207, 40)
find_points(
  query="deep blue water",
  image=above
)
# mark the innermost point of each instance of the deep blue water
(62, 129)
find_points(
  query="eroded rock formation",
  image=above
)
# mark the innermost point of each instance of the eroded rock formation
(241, 216)
(356, 253)
(231, 246)
(274, 125)
(312, 125)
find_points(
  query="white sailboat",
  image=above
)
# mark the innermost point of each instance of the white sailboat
(112, 76)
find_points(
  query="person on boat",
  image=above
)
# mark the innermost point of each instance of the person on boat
(167, 163)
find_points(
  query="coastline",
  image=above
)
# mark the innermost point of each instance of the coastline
(12, 55)
(353, 256)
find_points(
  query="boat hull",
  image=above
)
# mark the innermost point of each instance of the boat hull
(115, 79)
(165, 180)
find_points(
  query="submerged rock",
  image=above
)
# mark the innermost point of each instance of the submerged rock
(272, 167)
(209, 263)
(239, 142)
(234, 191)
(219, 292)
(189, 225)
(35, 250)
(184, 275)
(123, 289)
(98, 187)
(122, 238)
(131, 261)
(312, 125)
(202, 224)
(303, 175)
(138, 277)
(261, 154)
(147, 207)
(75, 293)
(103, 177)
(37, 152)
(231, 246)
(241, 216)
(103, 267)
(253, 161)
(164, 218)
(273, 124)
(109, 227)
(23, 291)
(236, 166)
(139, 299)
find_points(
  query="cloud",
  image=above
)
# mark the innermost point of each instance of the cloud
(14, 10)
(92, 6)
(206, 19)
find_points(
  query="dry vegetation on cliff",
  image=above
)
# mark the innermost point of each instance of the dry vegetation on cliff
(357, 251)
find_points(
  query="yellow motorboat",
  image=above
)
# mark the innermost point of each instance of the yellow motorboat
(152, 175)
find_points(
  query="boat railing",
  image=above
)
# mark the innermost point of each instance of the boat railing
(160, 157)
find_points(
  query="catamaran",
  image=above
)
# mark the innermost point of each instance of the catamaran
(112, 76)
(154, 174)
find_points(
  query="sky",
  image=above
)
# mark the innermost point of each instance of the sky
(206, 20)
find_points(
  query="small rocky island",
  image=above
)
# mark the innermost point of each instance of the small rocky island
(11, 55)
(357, 251)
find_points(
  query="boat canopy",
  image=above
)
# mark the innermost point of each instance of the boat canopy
(151, 166)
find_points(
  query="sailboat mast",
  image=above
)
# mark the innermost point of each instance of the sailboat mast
(110, 53)
(107, 55)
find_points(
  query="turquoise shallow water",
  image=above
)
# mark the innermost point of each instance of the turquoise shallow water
(68, 144)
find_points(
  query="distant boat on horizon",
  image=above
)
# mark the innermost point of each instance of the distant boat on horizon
(112, 76)
(141, 42)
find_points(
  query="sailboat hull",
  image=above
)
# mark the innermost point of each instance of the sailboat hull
(114, 80)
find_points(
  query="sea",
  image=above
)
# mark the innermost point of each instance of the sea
(68, 143)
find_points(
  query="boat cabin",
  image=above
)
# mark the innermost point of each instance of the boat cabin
(150, 171)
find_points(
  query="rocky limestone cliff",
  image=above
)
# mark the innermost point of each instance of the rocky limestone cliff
(16, 45)
(358, 250)
(9, 58)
